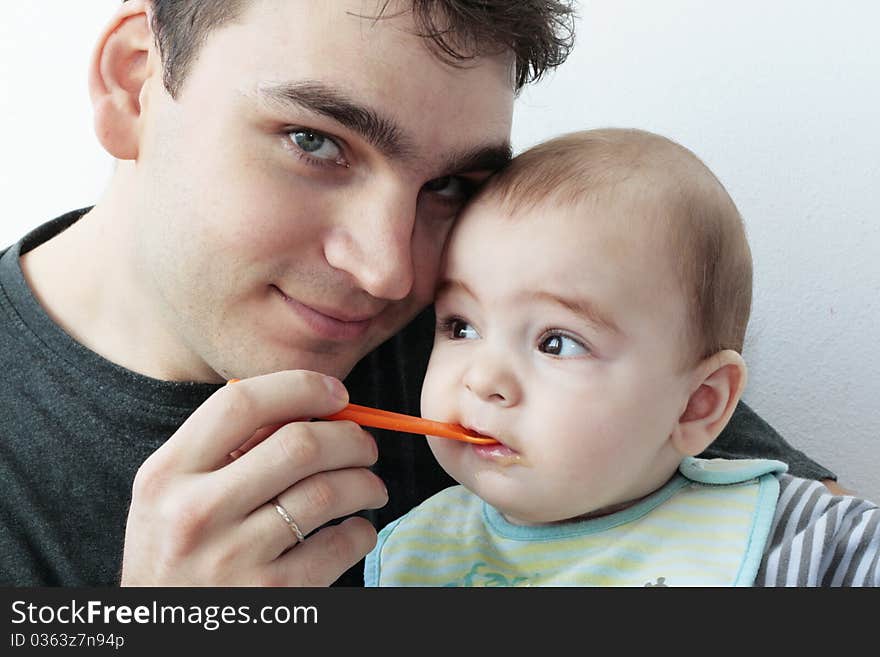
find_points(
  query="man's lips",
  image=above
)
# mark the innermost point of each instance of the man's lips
(332, 323)
(338, 314)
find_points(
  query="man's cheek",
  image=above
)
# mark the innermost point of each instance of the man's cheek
(428, 245)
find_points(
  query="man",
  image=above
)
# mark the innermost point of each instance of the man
(288, 172)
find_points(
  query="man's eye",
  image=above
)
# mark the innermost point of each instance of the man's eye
(452, 187)
(316, 145)
(564, 346)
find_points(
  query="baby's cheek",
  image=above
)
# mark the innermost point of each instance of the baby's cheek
(433, 399)
(445, 451)
(429, 405)
(439, 400)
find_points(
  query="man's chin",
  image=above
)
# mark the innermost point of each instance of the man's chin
(330, 363)
(305, 352)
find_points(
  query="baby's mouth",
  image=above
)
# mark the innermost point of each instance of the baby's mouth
(499, 452)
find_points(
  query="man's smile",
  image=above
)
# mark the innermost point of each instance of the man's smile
(329, 323)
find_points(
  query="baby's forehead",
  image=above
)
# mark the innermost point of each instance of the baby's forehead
(647, 174)
(633, 212)
(595, 255)
(611, 234)
(621, 229)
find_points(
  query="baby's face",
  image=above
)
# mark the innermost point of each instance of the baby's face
(559, 333)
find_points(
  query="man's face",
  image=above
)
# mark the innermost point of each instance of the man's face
(299, 190)
(559, 334)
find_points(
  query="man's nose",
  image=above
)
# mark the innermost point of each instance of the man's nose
(372, 241)
(490, 376)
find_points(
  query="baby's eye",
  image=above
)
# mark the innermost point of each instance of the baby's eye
(564, 346)
(458, 329)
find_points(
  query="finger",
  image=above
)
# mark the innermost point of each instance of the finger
(234, 413)
(323, 557)
(259, 436)
(294, 452)
(311, 503)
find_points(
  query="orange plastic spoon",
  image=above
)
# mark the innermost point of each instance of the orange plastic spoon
(374, 417)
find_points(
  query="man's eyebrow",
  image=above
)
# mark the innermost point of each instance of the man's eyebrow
(328, 101)
(582, 307)
(381, 131)
(488, 157)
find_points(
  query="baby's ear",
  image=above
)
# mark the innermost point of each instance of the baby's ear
(122, 62)
(719, 381)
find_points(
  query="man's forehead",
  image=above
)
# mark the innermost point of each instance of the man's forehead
(373, 23)
(377, 78)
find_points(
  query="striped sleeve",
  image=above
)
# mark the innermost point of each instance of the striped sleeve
(821, 539)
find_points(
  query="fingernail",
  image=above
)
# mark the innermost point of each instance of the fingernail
(336, 388)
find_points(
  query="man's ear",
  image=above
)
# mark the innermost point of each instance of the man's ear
(719, 381)
(120, 66)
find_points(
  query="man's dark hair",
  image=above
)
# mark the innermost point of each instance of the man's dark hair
(540, 33)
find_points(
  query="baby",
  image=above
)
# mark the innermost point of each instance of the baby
(590, 317)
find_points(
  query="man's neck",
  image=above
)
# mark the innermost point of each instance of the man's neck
(85, 279)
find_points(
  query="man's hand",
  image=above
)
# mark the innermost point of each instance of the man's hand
(835, 488)
(200, 516)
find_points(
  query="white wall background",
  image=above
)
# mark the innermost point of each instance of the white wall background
(779, 98)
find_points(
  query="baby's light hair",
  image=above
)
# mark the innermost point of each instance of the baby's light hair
(666, 184)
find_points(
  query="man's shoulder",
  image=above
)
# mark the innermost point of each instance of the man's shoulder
(821, 539)
(749, 436)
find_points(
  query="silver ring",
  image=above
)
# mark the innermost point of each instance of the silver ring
(289, 520)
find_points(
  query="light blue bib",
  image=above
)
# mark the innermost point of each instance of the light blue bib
(706, 527)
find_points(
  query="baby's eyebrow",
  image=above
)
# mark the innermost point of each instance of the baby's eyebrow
(582, 307)
(447, 285)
